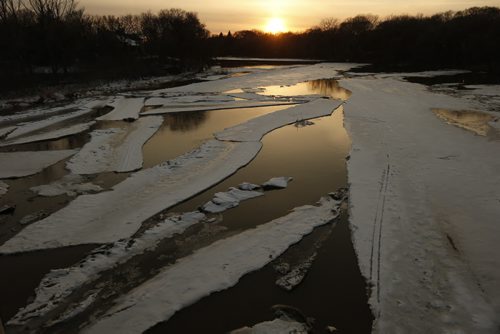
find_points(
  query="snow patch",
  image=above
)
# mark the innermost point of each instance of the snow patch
(213, 268)
(416, 183)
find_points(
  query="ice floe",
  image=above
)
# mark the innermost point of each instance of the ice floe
(112, 215)
(71, 185)
(296, 275)
(56, 134)
(280, 325)
(223, 201)
(222, 106)
(124, 109)
(256, 128)
(19, 164)
(277, 182)
(115, 149)
(248, 186)
(22, 129)
(415, 184)
(4, 188)
(60, 283)
(210, 269)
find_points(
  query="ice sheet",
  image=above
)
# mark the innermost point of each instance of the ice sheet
(112, 215)
(114, 149)
(213, 268)
(19, 164)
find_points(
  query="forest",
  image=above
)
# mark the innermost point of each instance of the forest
(56, 39)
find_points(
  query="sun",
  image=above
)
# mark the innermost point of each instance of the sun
(275, 25)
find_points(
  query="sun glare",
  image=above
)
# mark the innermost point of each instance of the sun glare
(275, 26)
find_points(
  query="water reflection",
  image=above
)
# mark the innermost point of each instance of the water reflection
(474, 121)
(182, 132)
(324, 87)
(185, 121)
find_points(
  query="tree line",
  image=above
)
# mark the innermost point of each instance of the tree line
(58, 37)
(467, 39)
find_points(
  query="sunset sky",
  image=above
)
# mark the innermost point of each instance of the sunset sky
(294, 15)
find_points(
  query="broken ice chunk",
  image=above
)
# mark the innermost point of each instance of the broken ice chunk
(4, 187)
(277, 183)
(248, 186)
(70, 185)
(293, 278)
(223, 201)
(281, 325)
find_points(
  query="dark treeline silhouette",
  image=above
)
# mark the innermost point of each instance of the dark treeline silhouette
(44, 40)
(57, 39)
(468, 39)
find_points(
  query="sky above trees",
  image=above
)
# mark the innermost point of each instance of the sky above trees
(296, 15)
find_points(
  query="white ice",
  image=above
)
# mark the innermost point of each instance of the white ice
(296, 275)
(4, 188)
(256, 128)
(248, 186)
(60, 283)
(277, 182)
(71, 185)
(115, 149)
(28, 127)
(420, 188)
(112, 215)
(222, 106)
(279, 76)
(19, 164)
(213, 268)
(223, 201)
(276, 326)
(124, 108)
(51, 135)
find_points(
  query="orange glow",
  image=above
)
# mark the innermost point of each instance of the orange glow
(275, 26)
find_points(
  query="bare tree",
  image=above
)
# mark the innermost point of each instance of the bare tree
(328, 24)
(9, 9)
